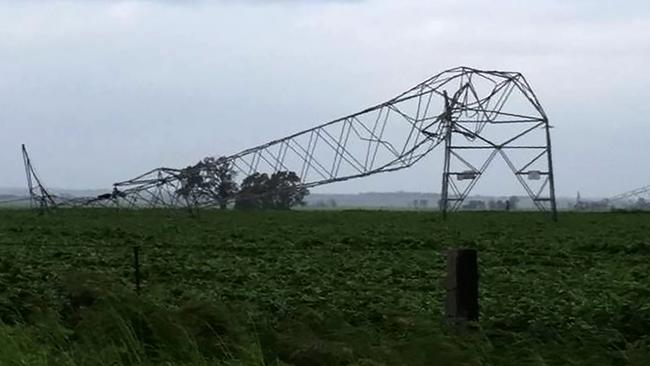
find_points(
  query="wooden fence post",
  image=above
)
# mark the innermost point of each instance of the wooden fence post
(462, 286)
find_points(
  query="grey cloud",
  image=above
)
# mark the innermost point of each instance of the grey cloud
(102, 93)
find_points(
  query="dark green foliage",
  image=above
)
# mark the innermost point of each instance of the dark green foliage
(211, 179)
(326, 287)
(280, 191)
(254, 192)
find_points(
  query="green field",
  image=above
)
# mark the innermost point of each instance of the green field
(319, 288)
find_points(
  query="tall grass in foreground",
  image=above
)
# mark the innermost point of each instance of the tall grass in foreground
(101, 324)
(104, 324)
(567, 293)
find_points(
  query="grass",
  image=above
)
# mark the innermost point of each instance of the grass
(319, 288)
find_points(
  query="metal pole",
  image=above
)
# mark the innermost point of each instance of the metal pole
(28, 174)
(444, 193)
(551, 175)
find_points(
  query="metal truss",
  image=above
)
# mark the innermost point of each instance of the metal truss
(37, 194)
(507, 121)
(42, 198)
(389, 136)
(630, 194)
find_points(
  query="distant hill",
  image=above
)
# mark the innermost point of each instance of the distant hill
(389, 200)
(13, 192)
(374, 200)
(417, 200)
(21, 192)
(11, 197)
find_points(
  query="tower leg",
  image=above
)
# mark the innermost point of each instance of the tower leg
(551, 175)
(28, 175)
(444, 193)
(44, 199)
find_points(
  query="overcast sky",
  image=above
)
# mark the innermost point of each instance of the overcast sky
(101, 91)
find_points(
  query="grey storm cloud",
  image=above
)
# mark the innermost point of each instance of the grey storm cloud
(104, 90)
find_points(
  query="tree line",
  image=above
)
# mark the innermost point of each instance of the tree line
(213, 179)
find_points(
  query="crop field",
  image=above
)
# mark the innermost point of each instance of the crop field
(319, 288)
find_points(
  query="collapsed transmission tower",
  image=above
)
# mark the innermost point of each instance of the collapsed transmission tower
(38, 195)
(636, 193)
(469, 111)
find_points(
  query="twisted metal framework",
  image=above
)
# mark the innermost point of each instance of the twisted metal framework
(639, 192)
(42, 198)
(496, 114)
(461, 102)
(37, 194)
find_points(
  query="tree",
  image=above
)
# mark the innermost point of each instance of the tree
(514, 200)
(190, 180)
(497, 205)
(642, 204)
(218, 180)
(210, 179)
(253, 192)
(280, 191)
(286, 190)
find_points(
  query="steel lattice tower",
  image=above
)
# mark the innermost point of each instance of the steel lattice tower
(508, 122)
(464, 109)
